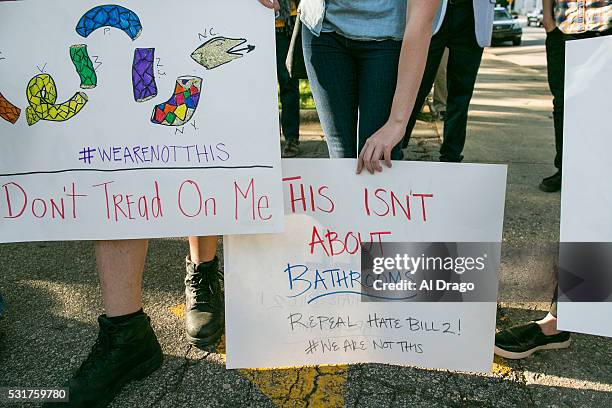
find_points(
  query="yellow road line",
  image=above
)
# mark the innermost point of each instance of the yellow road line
(178, 310)
(294, 387)
(500, 368)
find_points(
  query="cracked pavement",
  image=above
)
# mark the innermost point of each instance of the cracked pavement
(53, 298)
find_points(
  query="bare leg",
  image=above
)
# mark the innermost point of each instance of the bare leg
(202, 249)
(548, 325)
(126, 348)
(120, 268)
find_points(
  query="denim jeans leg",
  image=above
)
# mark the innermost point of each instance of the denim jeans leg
(332, 72)
(377, 63)
(289, 90)
(555, 62)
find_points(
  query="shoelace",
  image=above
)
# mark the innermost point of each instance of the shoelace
(204, 288)
(94, 358)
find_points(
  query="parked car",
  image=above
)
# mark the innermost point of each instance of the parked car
(505, 28)
(535, 18)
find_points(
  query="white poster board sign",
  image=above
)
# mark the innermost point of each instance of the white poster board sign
(328, 209)
(586, 195)
(137, 119)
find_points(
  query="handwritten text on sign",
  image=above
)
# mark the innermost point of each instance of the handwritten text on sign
(112, 129)
(300, 291)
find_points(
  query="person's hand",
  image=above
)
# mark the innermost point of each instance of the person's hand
(271, 4)
(549, 24)
(379, 147)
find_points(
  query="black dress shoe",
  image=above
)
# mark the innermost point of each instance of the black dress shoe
(551, 184)
(449, 159)
(123, 352)
(291, 149)
(204, 306)
(524, 340)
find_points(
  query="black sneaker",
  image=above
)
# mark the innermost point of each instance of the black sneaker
(524, 340)
(123, 352)
(551, 184)
(204, 307)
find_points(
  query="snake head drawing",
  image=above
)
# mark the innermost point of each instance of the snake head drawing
(219, 51)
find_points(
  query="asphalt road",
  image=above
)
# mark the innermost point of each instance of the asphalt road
(53, 298)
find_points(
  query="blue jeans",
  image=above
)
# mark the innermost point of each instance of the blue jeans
(353, 83)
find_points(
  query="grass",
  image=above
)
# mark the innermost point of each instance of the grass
(306, 100)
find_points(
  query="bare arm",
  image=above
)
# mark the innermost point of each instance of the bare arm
(413, 57)
(548, 20)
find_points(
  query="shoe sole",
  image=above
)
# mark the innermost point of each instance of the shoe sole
(290, 155)
(511, 355)
(549, 189)
(203, 342)
(137, 373)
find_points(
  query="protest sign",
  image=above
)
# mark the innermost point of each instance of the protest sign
(150, 119)
(296, 298)
(585, 301)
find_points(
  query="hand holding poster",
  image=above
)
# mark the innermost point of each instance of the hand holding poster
(151, 119)
(301, 297)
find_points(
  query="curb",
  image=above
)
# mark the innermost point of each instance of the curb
(309, 115)
(440, 130)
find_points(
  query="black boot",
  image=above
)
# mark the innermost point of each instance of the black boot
(204, 314)
(551, 184)
(123, 352)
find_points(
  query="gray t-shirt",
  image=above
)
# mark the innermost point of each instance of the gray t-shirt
(366, 19)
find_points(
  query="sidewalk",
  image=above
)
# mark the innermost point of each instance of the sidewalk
(53, 297)
(424, 144)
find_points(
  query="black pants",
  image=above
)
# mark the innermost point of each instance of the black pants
(458, 34)
(289, 90)
(555, 59)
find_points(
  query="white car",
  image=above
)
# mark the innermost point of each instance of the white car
(535, 17)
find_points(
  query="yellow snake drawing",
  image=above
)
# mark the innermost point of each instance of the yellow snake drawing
(42, 95)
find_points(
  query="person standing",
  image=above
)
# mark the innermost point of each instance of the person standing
(353, 52)
(574, 20)
(440, 91)
(289, 87)
(563, 21)
(466, 29)
(127, 348)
